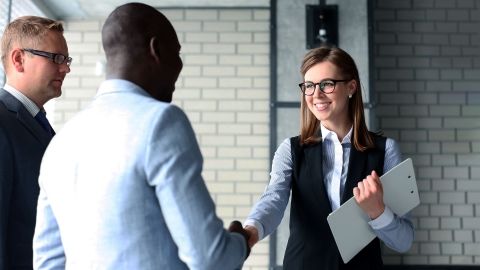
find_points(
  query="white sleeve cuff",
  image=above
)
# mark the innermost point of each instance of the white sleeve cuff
(257, 225)
(383, 220)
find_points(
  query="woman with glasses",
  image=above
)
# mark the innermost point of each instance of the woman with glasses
(334, 158)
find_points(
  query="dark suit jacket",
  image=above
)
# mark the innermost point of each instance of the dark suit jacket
(22, 144)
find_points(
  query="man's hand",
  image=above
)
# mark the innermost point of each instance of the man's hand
(253, 233)
(236, 226)
(369, 195)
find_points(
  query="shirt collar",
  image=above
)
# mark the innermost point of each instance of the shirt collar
(119, 85)
(329, 135)
(31, 107)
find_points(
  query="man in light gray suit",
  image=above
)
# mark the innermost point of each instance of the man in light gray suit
(35, 60)
(121, 184)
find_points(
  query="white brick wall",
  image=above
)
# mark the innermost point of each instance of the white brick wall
(427, 81)
(224, 89)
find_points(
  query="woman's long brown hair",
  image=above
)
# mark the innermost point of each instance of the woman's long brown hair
(309, 124)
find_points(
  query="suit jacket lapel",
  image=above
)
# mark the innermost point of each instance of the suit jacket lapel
(24, 117)
(31, 124)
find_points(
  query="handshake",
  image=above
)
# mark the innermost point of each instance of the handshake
(249, 233)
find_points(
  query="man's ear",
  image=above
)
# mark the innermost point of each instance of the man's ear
(154, 49)
(17, 57)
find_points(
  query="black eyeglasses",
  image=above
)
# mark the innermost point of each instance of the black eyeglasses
(326, 86)
(57, 58)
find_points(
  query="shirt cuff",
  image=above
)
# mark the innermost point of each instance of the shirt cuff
(257, 225)
(242, 239)
(383, 220)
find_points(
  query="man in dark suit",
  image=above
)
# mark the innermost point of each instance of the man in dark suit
(35, 60)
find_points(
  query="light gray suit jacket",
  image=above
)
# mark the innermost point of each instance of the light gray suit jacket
(121, 188)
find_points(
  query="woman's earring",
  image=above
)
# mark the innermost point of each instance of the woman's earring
(350, 96)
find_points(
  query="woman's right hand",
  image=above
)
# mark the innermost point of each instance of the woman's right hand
(369, 195)
(253, 233)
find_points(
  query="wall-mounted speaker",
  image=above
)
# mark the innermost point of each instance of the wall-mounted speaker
(322, 25)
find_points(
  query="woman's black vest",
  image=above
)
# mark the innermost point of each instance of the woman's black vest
(311, 244)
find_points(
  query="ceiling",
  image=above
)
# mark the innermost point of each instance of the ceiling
(85, 9)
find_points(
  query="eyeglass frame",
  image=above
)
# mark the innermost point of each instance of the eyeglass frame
(301, 85)
(51, 56)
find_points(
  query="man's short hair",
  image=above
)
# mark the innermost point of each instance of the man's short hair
(26, 31)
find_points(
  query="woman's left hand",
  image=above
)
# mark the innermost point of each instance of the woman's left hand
(369, 195)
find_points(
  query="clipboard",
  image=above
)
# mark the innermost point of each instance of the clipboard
(349, 223)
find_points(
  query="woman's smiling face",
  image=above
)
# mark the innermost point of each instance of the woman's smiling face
(331, 109)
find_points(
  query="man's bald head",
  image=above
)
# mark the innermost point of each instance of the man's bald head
(129, 28)
(141, 46)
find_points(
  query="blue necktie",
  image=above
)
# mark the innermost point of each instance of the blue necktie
(41, 118)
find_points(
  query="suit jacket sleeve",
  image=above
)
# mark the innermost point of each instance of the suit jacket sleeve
(173, 167)
(6, 182)
(48, 250)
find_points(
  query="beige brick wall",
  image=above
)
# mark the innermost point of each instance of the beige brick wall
(223, 88)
